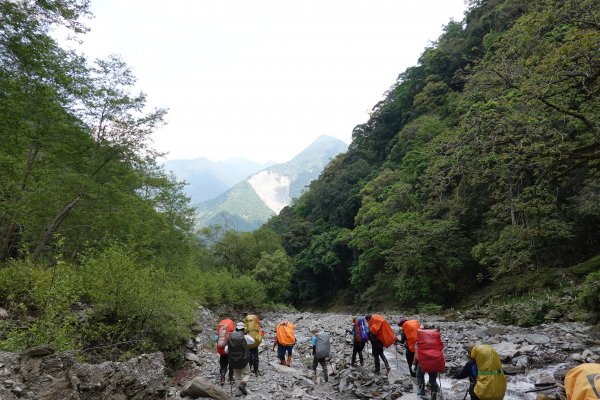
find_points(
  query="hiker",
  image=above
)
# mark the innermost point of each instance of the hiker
(381, 335)
(469, 370)
(582, 382)
(252, 324)
(285, 341)
(224, 329)
(491, 381)
(237, 348)
(320, 347)
(429, 359)
(408, 337)
(360, 335)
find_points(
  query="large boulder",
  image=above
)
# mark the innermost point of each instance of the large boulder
(200, 387)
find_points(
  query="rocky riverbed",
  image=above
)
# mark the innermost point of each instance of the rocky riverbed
(532, 357)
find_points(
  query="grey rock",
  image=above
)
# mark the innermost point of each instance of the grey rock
(506, 350)
(536, 338)
(199, 387)
(192, 357)
(39, 351)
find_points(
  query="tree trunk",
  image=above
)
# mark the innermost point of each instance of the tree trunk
(51, 229)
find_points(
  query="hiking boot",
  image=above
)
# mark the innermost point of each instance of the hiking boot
(242, 388)
(420, 390)
(433, 395)
(222, 380)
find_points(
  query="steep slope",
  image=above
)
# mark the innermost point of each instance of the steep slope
(253, 201)
(207, 179)
(481, 163)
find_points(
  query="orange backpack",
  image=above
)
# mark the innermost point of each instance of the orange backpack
(583, 382)
(382, 330)
(224, 329)
(410, 328)
(285, 334)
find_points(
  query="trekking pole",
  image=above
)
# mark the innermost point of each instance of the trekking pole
(397, 362)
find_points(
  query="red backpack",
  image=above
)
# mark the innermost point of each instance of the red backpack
(429, 351)
(224, 329)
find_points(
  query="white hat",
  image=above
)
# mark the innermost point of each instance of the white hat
(240, 326)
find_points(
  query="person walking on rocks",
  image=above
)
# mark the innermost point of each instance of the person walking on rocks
(360, 335)
(320, 347)
(252, 324)
(429, 359)
(285, 340)
(224, 329)
(491, 381)
(381, 335)
(239, 356)
(469, 370)
(408, 337)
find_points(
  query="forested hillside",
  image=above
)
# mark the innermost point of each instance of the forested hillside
(480, 165)
(98, 252)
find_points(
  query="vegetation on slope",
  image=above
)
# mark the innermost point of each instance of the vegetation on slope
(481, 163)
(98, 252)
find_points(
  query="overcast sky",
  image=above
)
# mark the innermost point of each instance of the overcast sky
(263, 79)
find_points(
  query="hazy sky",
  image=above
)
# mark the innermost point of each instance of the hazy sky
(263, 79)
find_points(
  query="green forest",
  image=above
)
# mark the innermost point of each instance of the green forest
(477, 172)
(479, 168)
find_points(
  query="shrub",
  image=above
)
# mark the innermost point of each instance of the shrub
(589, 298)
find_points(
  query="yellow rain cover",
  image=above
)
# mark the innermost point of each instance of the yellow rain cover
(491, 382)
(583, 382)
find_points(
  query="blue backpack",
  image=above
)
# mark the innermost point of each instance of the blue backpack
(361, 329)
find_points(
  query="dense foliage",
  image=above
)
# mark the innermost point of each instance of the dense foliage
(98, 251)
(481, 162)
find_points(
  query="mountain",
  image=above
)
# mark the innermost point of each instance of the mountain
(207, 179)
(250, 203)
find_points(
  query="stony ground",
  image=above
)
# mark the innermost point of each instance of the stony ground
(530, 355)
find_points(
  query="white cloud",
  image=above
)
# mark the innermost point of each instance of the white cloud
(263, 79)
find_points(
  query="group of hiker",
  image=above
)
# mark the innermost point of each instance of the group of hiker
(237, 345)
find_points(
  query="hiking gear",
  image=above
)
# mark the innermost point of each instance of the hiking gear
(361, 330)
(240, 326)
(222, 379)
(382, 330)
(224, 329)
(410, 329)
(491, 382)
(429, 351)
(582, 382)
(252, 324)
(285, 334)
(323, 345)
(238, 350)
(242, 388)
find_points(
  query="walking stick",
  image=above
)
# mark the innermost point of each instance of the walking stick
(397, 362)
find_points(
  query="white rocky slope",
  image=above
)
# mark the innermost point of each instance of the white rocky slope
(272, 188)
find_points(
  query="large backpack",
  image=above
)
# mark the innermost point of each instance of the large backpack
(361, 329)
(224, 329)
(285, 334)
(323, 345)
(491, 382)
(382, 330)
(238, 350)
(252, 324)
(583, 382)
(429, 351)
(410, 328)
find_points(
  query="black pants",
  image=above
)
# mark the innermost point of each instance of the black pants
(357, 348)
(323, 362)
(378, 352)
(253, 360)
(410, 357)
(224, 364)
